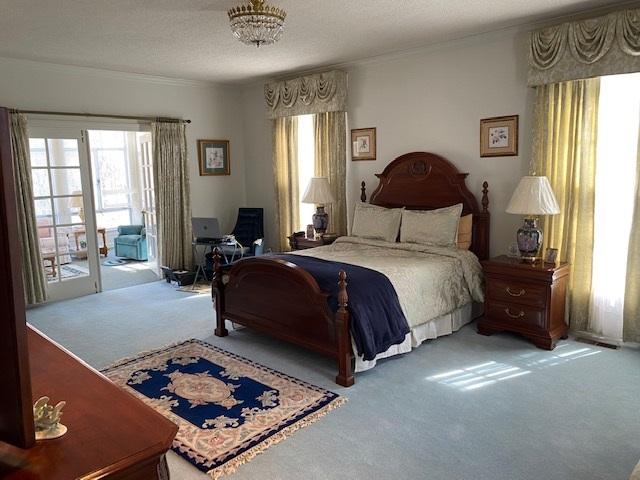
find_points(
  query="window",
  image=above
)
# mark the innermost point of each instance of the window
(617, 153)
(306, 165)
(111, 175)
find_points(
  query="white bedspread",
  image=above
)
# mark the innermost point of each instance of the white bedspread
(430, 281)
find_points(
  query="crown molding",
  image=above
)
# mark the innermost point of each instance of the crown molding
(453, 42)
(446, 43)
(108, 74)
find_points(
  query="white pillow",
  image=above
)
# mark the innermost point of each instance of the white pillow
(371, 221)
(431, 227)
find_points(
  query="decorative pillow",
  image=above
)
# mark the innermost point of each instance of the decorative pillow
(371, 221)
(431, 227)
(465, 228)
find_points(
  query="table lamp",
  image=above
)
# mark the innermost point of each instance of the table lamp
(76, 202)
(533, 196)
(319, 192)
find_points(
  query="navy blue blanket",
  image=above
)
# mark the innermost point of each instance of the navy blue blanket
(376, 318)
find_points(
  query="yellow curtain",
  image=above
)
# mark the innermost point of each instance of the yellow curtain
(566, 118)
(285, 171)
(173, 200)
(631, 326)
(35, 288)
(331, 162)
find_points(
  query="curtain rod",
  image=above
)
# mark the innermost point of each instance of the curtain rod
(99, 115)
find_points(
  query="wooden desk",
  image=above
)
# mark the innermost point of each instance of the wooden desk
(112, 435)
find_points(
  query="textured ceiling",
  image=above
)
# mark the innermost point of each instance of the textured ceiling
(191, 39)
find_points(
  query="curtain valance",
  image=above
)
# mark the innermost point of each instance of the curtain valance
(318, 93)
(605, 45)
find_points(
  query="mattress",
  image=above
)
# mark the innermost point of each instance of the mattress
(436, 286)
(429, 281)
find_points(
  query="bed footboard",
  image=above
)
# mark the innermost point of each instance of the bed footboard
(284, 300)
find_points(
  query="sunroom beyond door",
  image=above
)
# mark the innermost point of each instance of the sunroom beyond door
(62, 201)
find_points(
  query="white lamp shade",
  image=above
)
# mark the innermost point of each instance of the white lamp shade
(533, 196)
(76, 202)
(318, 191)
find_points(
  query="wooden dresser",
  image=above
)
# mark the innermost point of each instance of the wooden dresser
(525, 298)
(112, 434)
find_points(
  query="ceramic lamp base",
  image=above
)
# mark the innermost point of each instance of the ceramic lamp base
(320, 220)
(529, 238)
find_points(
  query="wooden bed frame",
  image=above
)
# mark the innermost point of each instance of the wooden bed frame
(283, 300)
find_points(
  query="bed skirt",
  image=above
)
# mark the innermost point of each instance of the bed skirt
(438, 327)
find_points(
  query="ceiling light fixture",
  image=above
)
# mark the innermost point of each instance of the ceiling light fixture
(257, 23)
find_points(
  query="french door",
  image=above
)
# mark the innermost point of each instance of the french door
(64, 211)
(148, 195)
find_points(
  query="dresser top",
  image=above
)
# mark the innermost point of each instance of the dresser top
(110, 430)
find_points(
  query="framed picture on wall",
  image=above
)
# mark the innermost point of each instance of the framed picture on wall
(214, 157)
(363, 144)
(499, 136)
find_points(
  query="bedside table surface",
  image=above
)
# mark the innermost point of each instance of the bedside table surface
(302, 243)
(516, 263)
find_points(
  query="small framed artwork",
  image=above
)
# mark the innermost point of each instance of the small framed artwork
(363, 144)
(551, 255)
(499, 136)
(214, 157)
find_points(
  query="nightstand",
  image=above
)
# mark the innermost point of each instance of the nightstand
(525, 298)
(298, 241)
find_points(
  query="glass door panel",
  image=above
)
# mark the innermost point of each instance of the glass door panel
(148, 194)
(66, 181)
(61, 183)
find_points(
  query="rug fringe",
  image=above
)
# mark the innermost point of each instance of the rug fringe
(232, 465)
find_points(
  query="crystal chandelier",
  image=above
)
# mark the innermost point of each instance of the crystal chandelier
(257, 23)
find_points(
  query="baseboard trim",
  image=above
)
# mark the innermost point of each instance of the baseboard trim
(598, 340)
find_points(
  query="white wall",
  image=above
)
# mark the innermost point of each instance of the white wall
(213, 109)
(428, 100)
(258, 158)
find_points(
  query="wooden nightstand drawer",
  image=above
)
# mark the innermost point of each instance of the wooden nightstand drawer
(516, 314)
(516, 292)
(527, 298)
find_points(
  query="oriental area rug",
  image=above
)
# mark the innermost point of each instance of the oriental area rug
(228, 408)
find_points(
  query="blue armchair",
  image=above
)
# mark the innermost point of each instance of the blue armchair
(131, 242)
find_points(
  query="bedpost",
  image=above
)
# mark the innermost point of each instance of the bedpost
(363, 192)
(481, 232)
(343, 337)
(485, 197)
(217, 294)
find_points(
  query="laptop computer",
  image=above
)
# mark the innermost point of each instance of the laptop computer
(206, 229)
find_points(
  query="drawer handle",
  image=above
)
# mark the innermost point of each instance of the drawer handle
(509, 314)
(516, 294)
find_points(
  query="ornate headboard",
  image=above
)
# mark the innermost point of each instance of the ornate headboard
(426, 181)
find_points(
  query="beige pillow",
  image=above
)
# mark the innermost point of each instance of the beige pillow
(379, 223)
(465, 229)
(431, 227)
